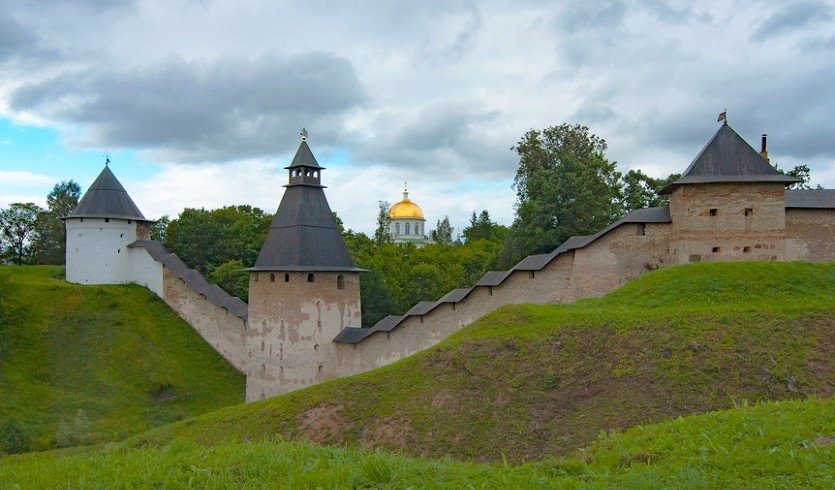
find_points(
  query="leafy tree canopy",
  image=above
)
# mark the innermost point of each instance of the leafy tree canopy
(564, 186)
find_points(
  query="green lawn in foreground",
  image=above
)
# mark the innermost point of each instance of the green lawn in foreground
(116, 352)
(773, 445)
(526, 381)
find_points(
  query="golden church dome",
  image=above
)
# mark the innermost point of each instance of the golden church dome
(405, 208)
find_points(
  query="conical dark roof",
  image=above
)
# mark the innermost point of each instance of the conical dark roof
(304, 157)
(728, 158)
(106, 198)
(303, 235)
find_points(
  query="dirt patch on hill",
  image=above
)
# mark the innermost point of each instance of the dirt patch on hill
(389, 433)
(323, 424)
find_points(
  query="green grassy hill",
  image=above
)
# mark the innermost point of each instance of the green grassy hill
(774, 445)
(527, 382)
(116, 352)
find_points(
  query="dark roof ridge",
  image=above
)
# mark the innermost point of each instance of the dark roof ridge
(107, 198)
(304, 157)
(727, 157)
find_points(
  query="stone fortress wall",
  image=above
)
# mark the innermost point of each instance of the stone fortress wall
(214, 314)
(602, 264)
(300, 327)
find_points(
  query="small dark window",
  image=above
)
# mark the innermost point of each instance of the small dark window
(82, 220)
(533, 274)
(714, 212)
(749, 212)
(255, 277)
(121, 235)
(490, 290)
(286, 277)
(716, 250)
(107, 220)
(118, 251)
(340, 282)
(310, 277)
(746, 250)
(272, 277)
(642, 229)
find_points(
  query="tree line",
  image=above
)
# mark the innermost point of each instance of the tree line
(30, 234)
(565, 185)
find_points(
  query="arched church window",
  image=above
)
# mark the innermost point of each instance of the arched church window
(340, 282)
(407, 228)
(397, 228)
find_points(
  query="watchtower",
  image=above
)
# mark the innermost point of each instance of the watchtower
(99, 230)
(729, 204)
(303, 289)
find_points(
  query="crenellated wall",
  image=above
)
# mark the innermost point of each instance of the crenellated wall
(223, 330)
(623, 253)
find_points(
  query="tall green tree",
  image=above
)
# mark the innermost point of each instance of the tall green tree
(205, 239)
(481, 227)
(564, 186)
(443, 231)
(50, 239)
(159, 227)
(800, 172)
(642, 191)
(381, 233)
(17, 226)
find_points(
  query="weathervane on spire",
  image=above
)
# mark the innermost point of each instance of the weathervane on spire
(303, 134)
(405, 190)
(107, 159)
(723, 116)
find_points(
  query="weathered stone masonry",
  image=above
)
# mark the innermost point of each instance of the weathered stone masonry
(302, 324)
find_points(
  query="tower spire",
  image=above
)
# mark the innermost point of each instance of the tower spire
(405, 191)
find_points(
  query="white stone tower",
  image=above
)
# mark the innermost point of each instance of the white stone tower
(99, 231)
(303, 289)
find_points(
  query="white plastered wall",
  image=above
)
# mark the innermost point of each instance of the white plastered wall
(97, 250)
(146, 271)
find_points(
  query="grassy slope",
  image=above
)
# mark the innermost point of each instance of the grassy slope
(529, 381)
(783, 444)
(117, 352)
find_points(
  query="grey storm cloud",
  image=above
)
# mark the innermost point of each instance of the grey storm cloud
(217, 110)
(446, 138)
(14, 38)
(792, 17)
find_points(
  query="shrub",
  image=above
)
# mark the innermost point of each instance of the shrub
(14, 437)
(76, 434)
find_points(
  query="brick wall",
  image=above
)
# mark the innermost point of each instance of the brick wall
(722, 222)
(810, 234)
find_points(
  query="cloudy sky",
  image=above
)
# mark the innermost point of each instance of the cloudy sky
(200, 103)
